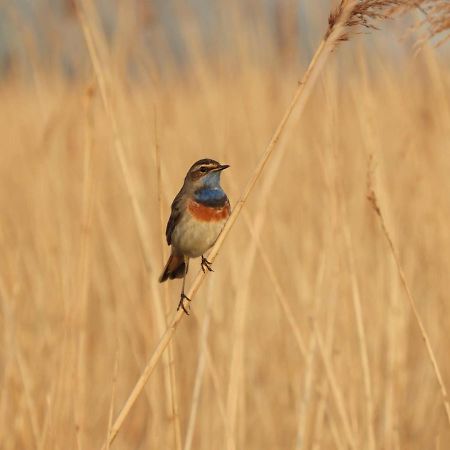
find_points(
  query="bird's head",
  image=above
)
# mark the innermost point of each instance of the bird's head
(205, 173)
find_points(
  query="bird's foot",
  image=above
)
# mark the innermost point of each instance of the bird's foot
(183, 297)
(205, 263)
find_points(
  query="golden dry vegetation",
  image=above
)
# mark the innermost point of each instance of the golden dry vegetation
(303, 337)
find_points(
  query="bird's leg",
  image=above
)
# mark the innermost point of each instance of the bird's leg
(183, 296)
(205, 263)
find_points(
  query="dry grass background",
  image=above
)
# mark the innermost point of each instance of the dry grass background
(305, 289)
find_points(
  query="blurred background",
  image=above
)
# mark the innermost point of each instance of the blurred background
(303, 337)
(34, 33)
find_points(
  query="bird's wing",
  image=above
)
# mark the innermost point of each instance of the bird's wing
(175, 216)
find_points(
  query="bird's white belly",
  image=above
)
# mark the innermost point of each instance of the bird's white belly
(193, 237)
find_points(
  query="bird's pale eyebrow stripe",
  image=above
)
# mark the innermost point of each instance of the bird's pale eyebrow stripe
(208, 166)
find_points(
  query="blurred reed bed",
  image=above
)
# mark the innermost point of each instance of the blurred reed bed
(271, 356)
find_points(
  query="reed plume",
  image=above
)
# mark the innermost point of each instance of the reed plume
(365, 14)
(351, 15)
(436, 22)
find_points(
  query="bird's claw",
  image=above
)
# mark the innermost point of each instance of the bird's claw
(183, 297)
(205, 263)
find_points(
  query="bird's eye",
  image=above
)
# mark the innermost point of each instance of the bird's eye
(203, 169)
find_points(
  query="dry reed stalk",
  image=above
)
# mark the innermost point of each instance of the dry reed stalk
(395, 329)
(96, 49)
(134, 328)
(113, 394)
(310, 363)
(173, 397)
(278, 290)
(159, 187)
(335, 192)
(3, 397)
(22, 366)
(59, 399)
(169, 356)
(80, 296)
(239, 321)
(95, 46)
(27, 382)
(357, 308)
(337, 393)
(241, 303)
(327, 260)
(229, 438)
(199, 374)
(321, 413)
(322, 410)
(169, 369)
(311, 368)
(356, 301)
(47, 420)
(374, 202)
(344, 19)
(337, 436)
(395, 333)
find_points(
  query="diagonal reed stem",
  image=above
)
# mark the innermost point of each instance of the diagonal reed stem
(289, 118)
(373, 199)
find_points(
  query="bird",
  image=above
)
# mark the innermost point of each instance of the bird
(198, 215)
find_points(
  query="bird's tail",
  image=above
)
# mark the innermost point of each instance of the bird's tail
(175, 268)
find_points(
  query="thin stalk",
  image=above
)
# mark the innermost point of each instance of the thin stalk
(337, 393)
(412, 302)
(169, 372)
(199, 375)
(93, 45)
(113, 393)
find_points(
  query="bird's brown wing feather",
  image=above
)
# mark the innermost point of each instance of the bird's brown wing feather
(175, 216)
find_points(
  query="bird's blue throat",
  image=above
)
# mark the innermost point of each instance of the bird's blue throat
(208, 196)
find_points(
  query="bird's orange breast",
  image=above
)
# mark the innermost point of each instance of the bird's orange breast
(208, 213)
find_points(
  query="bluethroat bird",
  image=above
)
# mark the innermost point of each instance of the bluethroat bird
(199, 212)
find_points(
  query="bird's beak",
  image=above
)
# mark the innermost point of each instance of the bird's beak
(222, 167)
